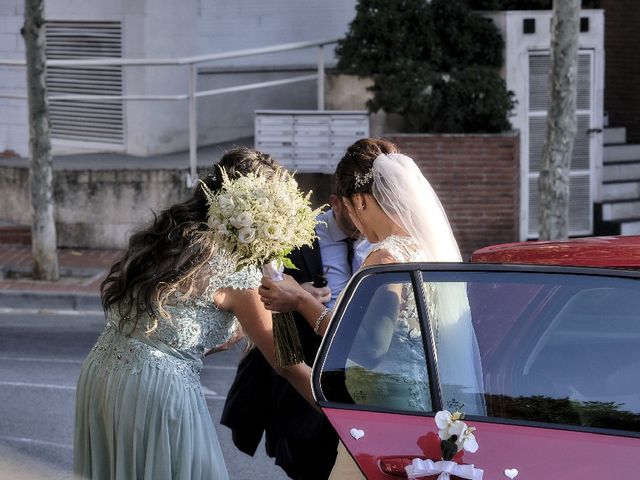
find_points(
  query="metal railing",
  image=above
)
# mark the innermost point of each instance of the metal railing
(192, 94)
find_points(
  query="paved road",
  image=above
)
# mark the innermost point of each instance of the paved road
(40, 357)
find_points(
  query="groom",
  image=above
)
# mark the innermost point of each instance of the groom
(260, 401)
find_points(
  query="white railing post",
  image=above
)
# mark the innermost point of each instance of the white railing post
(321, 77)
(193, 126)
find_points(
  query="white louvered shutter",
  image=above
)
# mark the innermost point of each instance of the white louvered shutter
(580, 201)
(96, 121)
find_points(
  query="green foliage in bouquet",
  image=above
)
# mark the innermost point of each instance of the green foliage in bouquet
(436, 64)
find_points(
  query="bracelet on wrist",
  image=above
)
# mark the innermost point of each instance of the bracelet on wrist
(321, 317)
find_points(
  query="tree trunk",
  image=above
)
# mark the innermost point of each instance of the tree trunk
(43, 230)
(553, 184)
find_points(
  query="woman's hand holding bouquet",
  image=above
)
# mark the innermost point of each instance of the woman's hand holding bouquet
(259, 221)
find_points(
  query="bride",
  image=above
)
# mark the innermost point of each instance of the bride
(394, 207)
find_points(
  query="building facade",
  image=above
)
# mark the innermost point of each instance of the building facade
(163, 29)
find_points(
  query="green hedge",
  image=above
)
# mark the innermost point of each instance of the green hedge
(434, 63)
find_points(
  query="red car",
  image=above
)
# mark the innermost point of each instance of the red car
(543, 360)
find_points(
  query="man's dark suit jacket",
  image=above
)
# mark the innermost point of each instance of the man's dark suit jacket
(298, 436)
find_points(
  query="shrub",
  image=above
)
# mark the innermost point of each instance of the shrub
(462, 37)
(434, 63)
(474, 99)
(383, 31)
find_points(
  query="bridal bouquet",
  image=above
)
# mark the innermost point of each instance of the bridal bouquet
(455, 436)
(259, 221)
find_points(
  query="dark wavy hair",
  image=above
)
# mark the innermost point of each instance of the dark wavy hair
(168, 255)
(358, 161)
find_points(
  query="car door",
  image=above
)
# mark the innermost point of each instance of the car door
(543, 361)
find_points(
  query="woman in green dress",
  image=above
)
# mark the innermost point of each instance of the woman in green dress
(140, 410)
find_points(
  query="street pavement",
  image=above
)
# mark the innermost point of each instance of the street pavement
(46, 330)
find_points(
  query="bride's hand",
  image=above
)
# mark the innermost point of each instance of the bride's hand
(282, 296)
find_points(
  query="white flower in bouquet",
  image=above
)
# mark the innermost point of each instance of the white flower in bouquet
(225, 203)
(244, 219)
(258, 220)
(246, 235)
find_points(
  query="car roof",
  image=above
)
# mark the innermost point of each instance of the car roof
(614, 251)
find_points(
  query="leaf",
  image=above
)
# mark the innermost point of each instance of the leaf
(288, 264)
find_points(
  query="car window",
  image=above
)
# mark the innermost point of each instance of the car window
(558, 348)
(377, 356)
(457, 351)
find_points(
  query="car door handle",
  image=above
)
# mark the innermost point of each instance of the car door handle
(395, 466)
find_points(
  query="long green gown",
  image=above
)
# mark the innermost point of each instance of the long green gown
(140, 410)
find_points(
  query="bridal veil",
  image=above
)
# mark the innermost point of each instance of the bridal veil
(408, 199)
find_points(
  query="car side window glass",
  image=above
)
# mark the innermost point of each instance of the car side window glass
(553, 348)
(377, 356)
(457, 351)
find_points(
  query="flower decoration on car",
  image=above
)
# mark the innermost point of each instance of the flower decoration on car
(455, 436)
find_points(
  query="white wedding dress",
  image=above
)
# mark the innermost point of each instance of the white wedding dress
(399, 380)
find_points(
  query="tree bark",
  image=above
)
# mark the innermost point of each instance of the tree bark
(43, 229)
(553, 184)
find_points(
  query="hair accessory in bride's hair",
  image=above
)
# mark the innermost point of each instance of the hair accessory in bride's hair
(363, 179)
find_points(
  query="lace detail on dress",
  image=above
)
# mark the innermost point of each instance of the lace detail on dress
(177, 343)
(405, 358)
(401, 380)
(114, 351)
(246, 278)
(402, 248)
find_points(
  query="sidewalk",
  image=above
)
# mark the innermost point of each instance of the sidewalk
(81, 272)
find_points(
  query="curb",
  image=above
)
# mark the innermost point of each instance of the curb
(27, 299)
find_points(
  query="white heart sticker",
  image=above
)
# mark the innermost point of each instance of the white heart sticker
(511, 473)
(356, 433)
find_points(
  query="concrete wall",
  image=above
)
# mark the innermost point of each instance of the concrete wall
(113, 202)
(101, 208)
(14, 132)
(476, 178)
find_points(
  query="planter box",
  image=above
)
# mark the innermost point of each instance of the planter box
(477, 180)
